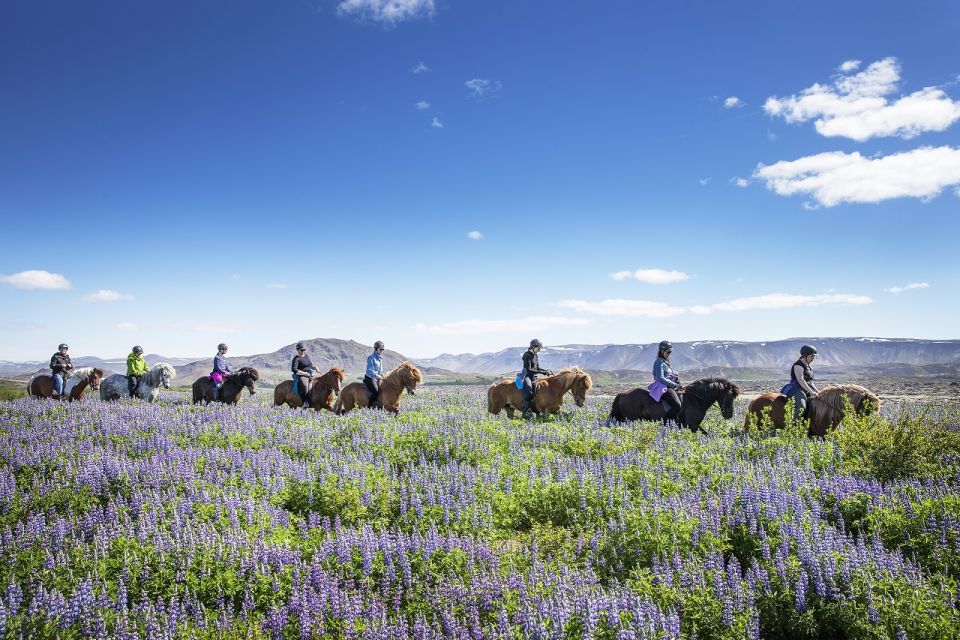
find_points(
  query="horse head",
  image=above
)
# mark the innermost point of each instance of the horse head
(94, 379)
(248, 378)
(166, 374)
(582, 382)
(729, 394)
(410, 377)
(337, 379)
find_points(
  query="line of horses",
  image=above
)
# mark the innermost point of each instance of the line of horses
(827, 409)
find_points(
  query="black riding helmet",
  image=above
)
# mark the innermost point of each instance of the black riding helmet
(63, 345)
(378, 345)
(300, 347)
(808, 350)
(222, 346)
(536, 343)
(664, 345)
(137, 349)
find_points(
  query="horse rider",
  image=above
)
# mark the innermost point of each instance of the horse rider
(666, 383)
(374, 373)
(221, 369)
(137, 367)
(302, 368)
(801, 387)
(60, 366)
(531, 369)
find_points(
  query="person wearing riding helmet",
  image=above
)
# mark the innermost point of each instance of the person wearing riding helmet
(221, 369)
(374, 373)
(303, 370)
(666, 383)
(136, 368)
(60, 365)
(531, 369)
(801, 387)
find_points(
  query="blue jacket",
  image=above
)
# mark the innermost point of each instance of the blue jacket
(221, 365)
(664, 373)
(374, 366)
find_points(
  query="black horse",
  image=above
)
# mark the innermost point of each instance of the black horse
(233, 386)
(695, 397)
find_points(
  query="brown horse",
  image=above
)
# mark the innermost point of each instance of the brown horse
(405, 376)
(41, 385)
(233, 386)
(695, 399)
(548, 396)
(322, 391)
(826, 408)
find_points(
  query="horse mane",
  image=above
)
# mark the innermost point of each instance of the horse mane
(157, 370)
(253, 373)
(337, 371)
(393, 378)
(82, 372)
(706, 383)
(830, 401)
(576, 373)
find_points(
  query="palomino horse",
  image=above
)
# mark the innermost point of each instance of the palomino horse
(405, 376)
(826, 408)
(233, 386)
(321, 394)
(115, 387)
(548, 396)
(41, 385)
(695, 398)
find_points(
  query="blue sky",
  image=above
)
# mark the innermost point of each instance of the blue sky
(180, 174)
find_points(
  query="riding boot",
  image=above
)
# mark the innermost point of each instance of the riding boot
(526, 412)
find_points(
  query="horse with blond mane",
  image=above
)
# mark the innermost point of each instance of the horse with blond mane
(41, 385)
(548, 396)
(405, 377)
(827, 408)
(323, 389)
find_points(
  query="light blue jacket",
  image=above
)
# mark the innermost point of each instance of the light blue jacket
(662, 372)
(374, 366)
(220, 364)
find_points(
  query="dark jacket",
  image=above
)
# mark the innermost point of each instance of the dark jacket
(807, 374)
(531, 365)
(302, 363)
(60, 364)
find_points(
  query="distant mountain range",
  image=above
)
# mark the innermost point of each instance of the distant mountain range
(833, 352)
(705, 354)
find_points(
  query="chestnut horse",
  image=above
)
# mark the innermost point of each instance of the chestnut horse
(405, 376)
(233, 386)
(548, 396)
(41, 385)
(826, 408)
(695, 398)
(322, 390)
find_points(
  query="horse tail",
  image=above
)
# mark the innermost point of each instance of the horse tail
(490, 403)
(196, 392)
(30, 384)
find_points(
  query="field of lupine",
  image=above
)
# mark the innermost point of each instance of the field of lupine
(174, 521)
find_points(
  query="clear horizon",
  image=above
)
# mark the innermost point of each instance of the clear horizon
(453, 177)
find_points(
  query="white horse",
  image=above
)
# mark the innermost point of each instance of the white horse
(76, 377)
(115, 387)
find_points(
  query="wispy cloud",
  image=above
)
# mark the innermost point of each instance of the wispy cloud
(732, 102)
(387, 12)
(107, 295)
(435, 123)
(651, 276)
(129, 327)
(908, 287)
(36, 279)
(420, 67)
(740, 182)
(654, 309)
(423, 105)
(858, 106)
(705, 181)
(483, 88)
(475, 235)
(520, 325)
(836, 177)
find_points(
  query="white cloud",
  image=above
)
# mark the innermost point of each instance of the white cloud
(740, 182)
(850, 65)
(857, 106)
(129, 327)
(435, 123)
(420, 67)
(520, 325)
(277, 285)
(732, 102)
(653, 309)
(422, 105)
(835, 177)
(387, 12)
(475, 235)
(651, 276)
(912, 285)
(36, 279)
(106, 295)
(482, 88)
(705, 181)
